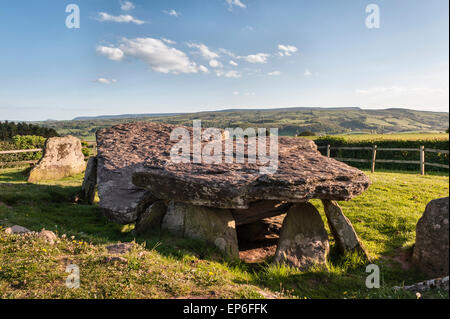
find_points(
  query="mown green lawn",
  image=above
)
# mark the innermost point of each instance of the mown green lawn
(161, 266)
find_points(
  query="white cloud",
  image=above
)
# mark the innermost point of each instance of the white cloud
(114, 54)
(256, 58)
(204, 50)
(286, 50)
(203, 69)
(126, 5)
(236, 3)
(233, 63)
(215, 64)
(105, 81)
(235, 93)
(274, 73)
(154, 52)
(123, 18)
(228, 74)
(172, 13)
(229, 53)
(168, 41)
(307, 73)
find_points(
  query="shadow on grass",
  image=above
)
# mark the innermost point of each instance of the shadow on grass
(14, 175)
(55, 208)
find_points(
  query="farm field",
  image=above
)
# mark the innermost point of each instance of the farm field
(161, 266)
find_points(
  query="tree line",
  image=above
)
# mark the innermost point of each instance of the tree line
(10, 129)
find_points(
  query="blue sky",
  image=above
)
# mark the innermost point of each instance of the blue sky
(198, 55)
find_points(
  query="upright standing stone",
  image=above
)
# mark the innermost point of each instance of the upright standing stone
(303, 240)
(62, 158)
(151, 218)
(432, 242)
(90, 180)
(212, 225)
(342, 229)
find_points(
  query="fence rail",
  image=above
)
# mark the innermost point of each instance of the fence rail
(328, 148)
(34, 150)
(21, 151)
(374, 159)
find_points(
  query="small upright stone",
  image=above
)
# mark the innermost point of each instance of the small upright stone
(342, 229)
(212, 225)
(151, 218)
(90, 181)
(303, 240)
(432, 239)
(62, 158)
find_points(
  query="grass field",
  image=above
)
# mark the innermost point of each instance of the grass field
(161, 266)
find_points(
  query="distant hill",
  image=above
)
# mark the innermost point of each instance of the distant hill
(122, 116)
(289, 121)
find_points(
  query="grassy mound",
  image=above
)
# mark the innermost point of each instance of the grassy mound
(161, 266)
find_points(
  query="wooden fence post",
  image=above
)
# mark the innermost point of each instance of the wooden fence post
(374, 157)
(422, 160)
(328, 150)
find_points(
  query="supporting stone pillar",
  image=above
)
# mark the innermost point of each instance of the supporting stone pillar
(303, 240)
(90, 181)
(342, 229)
(151, 219)
(212, 225)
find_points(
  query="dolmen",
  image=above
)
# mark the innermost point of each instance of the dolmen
(164, 177)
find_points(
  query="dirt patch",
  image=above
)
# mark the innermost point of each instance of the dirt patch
(257, 255)
(258, 241)
(403, 257)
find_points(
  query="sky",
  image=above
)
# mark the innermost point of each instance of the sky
(172, 56)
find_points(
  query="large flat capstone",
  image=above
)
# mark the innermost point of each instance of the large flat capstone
(134, 161)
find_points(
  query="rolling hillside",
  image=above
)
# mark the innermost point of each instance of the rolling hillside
(289, 121)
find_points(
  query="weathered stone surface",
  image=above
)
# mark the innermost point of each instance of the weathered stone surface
(16, 229)
(437, 283)
(142, 150)
(62, 158)
(90, 180)
(48, 235)
(432, 239)
(303, 240)
(215, 226)
(303, 173)
(120, 248)
(121, 151)
(342, 229)
(151, 218)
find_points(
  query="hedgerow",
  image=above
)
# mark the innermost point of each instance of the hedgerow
(432, 143)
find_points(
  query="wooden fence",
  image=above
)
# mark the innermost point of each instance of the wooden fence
(373, 160)
(93, 145)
